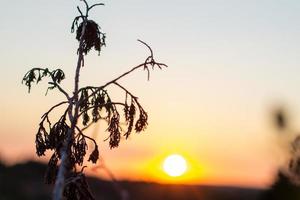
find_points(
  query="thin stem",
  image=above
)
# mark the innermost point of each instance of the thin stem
(80, 11)
(60, 88)
(146, 46)
(97, 89)
(127, 92)
(131, 95)
(55, 106)
(97, 4)
(149, 61)
(60, 181)
(83, 135)
(87, 7)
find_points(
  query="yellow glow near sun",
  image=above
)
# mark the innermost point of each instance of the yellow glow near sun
(175, 165)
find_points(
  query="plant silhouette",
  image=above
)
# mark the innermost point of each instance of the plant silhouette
(286, 185)
(282, 124)
(86, 105)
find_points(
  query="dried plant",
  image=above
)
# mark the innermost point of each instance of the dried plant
(283, 125)
(85, 105)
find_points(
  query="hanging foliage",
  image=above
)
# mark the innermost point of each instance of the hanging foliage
(85, 106)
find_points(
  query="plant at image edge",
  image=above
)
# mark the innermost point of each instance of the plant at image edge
(87, 105)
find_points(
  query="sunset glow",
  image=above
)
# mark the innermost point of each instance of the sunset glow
(209, 112)
(174, 165)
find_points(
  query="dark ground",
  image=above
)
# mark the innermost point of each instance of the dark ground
(25, 181)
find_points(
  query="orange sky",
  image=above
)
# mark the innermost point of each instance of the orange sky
(212, 105)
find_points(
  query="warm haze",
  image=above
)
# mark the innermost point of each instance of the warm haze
(229, 63)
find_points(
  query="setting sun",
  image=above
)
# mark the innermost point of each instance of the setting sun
(174, 165)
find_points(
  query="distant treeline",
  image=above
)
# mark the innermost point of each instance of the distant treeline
(25, 181)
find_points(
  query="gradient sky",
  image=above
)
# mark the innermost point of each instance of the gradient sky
(230, 62)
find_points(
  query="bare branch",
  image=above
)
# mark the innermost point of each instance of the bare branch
(80, 12)
(60, 89)
(146, 46)
(97, 4)
(81, 133)
(87, 7)
(127, 92)
(125, 74)
(55, 106)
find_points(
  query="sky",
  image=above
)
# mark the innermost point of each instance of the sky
(230, 63)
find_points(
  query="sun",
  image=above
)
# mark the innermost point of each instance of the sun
(175, 165)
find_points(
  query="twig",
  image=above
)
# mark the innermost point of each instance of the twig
(131, 95)
(55, 106)
(87, 7)
(60, 89)
(97, 4)
(83, 135)
(80, 12)
(146, 46)
(121, 76)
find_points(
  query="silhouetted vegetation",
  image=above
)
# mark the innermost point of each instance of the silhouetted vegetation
(286, 185)
(283, 188)
(22, 181)
(281, 122)
(84, 106)
(88, 105)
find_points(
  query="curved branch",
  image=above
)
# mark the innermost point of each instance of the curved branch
(80, 12)
(97, 89)
(146, 46)
(87, 8)
(55, 106)
(97, 4)
(60, 89)
(58, 86)
(85, 136)
(149, 61)
(131, 95)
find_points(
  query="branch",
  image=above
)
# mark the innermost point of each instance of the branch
(55, 106)
(83, 135)
(148, 61)
(97, 89)
(81, 15)
(131, 95)
(87, 7)
(97, 4)
(146, 46)
(60, 89)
